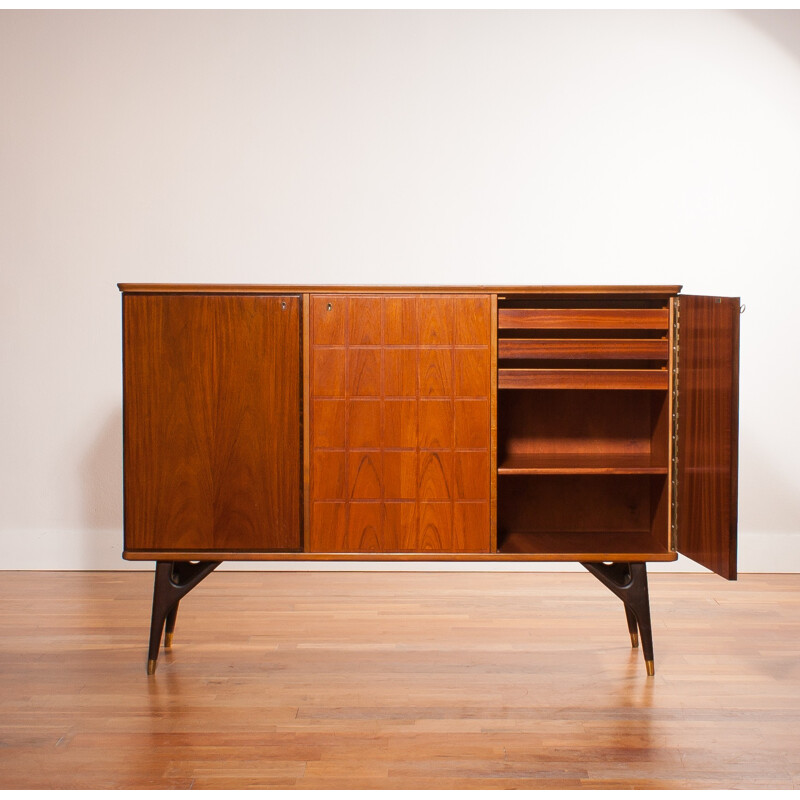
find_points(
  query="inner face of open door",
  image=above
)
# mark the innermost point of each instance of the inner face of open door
(708, 431)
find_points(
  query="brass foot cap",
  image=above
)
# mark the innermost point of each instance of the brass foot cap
(634, 639)
(168, 639)
(151, 666)
(651, 668)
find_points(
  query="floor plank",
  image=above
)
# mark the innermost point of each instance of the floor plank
(398, 680)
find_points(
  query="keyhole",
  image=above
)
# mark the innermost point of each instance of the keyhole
(330, 307)
(283, 305)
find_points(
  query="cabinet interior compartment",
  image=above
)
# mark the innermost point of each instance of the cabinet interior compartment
(583, 471)
(598, 515)
(564, 430)
(583, 438)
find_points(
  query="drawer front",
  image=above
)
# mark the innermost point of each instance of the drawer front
(584, 349)
(587, 346)
(584, 318)
(400, 425)
(583, 379)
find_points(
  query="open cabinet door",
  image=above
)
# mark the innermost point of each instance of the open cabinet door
(708, 431)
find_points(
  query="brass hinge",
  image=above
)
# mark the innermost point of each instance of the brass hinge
(676, 343)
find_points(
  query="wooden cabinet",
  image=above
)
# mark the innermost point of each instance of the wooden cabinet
(591, 424)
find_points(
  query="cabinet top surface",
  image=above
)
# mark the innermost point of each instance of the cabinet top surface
(232, 288)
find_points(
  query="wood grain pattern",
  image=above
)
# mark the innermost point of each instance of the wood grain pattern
(577, 318)
(708, 430)
(601, 349)
(400, 428)
(212, 422)
(583, 379)
(387, 680)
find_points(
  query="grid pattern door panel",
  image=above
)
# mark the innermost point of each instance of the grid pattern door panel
(400, 434)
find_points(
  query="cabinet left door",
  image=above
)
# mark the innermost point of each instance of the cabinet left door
(212, 423)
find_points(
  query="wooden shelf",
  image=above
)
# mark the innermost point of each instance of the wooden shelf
(585, 545)
(580, 464)
(582, 379)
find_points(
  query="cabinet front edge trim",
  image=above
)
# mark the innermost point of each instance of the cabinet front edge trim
(172, 555)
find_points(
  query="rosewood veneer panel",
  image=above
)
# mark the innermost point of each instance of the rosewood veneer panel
(708, 431)
(400, 423)
(212, 422)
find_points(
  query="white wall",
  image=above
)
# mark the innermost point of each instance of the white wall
(518, 147)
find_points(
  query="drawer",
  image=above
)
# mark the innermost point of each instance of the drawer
(583, 379)
(587, 345)
(589, 349)
(583, 318)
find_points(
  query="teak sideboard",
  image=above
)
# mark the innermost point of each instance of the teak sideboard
(592, 424)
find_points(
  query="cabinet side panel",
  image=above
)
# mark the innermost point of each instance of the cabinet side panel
(212, 423)
(305, 401)
(708, 401)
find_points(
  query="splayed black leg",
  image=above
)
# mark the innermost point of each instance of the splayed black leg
(173, 581)
(628, 581)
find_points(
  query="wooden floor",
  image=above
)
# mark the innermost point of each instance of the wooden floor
(398, 680)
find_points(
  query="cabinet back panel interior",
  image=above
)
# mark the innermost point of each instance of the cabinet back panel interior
(576, 503)
(608, 513)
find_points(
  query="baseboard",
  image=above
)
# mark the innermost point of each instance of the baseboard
(92, 549)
